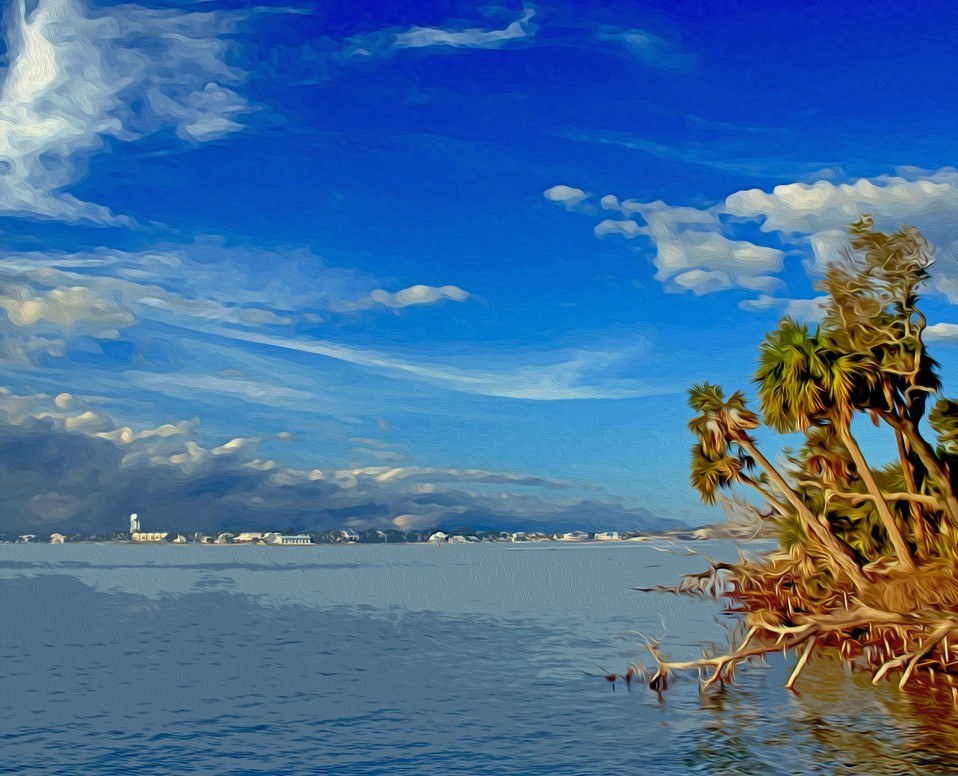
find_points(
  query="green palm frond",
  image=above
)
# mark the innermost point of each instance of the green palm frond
(712, 473)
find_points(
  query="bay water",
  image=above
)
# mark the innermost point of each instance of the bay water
(410, 659)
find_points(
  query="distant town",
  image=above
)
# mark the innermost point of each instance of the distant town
(463, 535)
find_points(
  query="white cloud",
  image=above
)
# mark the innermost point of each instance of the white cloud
(578, 376)
(385, 43)
(53, 297)
(418, 475)
(71, 307)
(695, 250)
(420, 37)
(800, 208)
(627, 208)
(77, 76)
(942, 332)
(407, 297)
(244, 444)
(627, 229)
(707, 261)
(568, 196)
(816, 214)
(173, 283)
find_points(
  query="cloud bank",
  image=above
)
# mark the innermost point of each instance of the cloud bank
(65, 466)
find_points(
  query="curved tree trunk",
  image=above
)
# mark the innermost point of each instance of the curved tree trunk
(936, 468)
(813, 525)
(938, 473)
(908, 474)
(902, 550)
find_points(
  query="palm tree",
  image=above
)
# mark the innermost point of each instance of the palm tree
(804, 383)
(712, 472)
(722, 427)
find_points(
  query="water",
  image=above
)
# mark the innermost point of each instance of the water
(405, 659)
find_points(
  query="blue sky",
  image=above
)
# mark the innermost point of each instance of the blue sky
(435, 249)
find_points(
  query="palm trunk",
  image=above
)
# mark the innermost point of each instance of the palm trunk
(902, 551)
(908, 474)
(813, 525)
(936, 468)
(938, 473)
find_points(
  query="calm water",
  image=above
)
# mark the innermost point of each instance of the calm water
(404, 659)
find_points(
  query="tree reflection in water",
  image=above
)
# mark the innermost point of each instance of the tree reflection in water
(839, 724)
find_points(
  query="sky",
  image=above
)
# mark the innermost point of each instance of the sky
(407, 265)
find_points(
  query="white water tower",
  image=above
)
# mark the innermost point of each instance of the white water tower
(134, 524)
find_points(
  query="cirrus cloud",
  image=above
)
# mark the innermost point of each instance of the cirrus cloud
(75, 79)
(384, 43)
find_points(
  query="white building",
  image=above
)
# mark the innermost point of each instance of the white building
(573, 536)
(144, 536)
(439, 536)
(246, 536)
(57, 538)
(297, 539)
(134, 524)
(608, 536)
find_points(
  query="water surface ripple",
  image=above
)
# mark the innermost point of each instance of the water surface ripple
(404, 659)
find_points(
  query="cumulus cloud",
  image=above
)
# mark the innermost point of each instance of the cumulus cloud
(692, 253)
(628, 208)
(61, 471)
(70, 307)
(78, 76)
(696, 249)
(407, 297)
(801, 208)
(942, 332)
(567, 196)
(648, 48)
(707, 261)
(627, 229)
